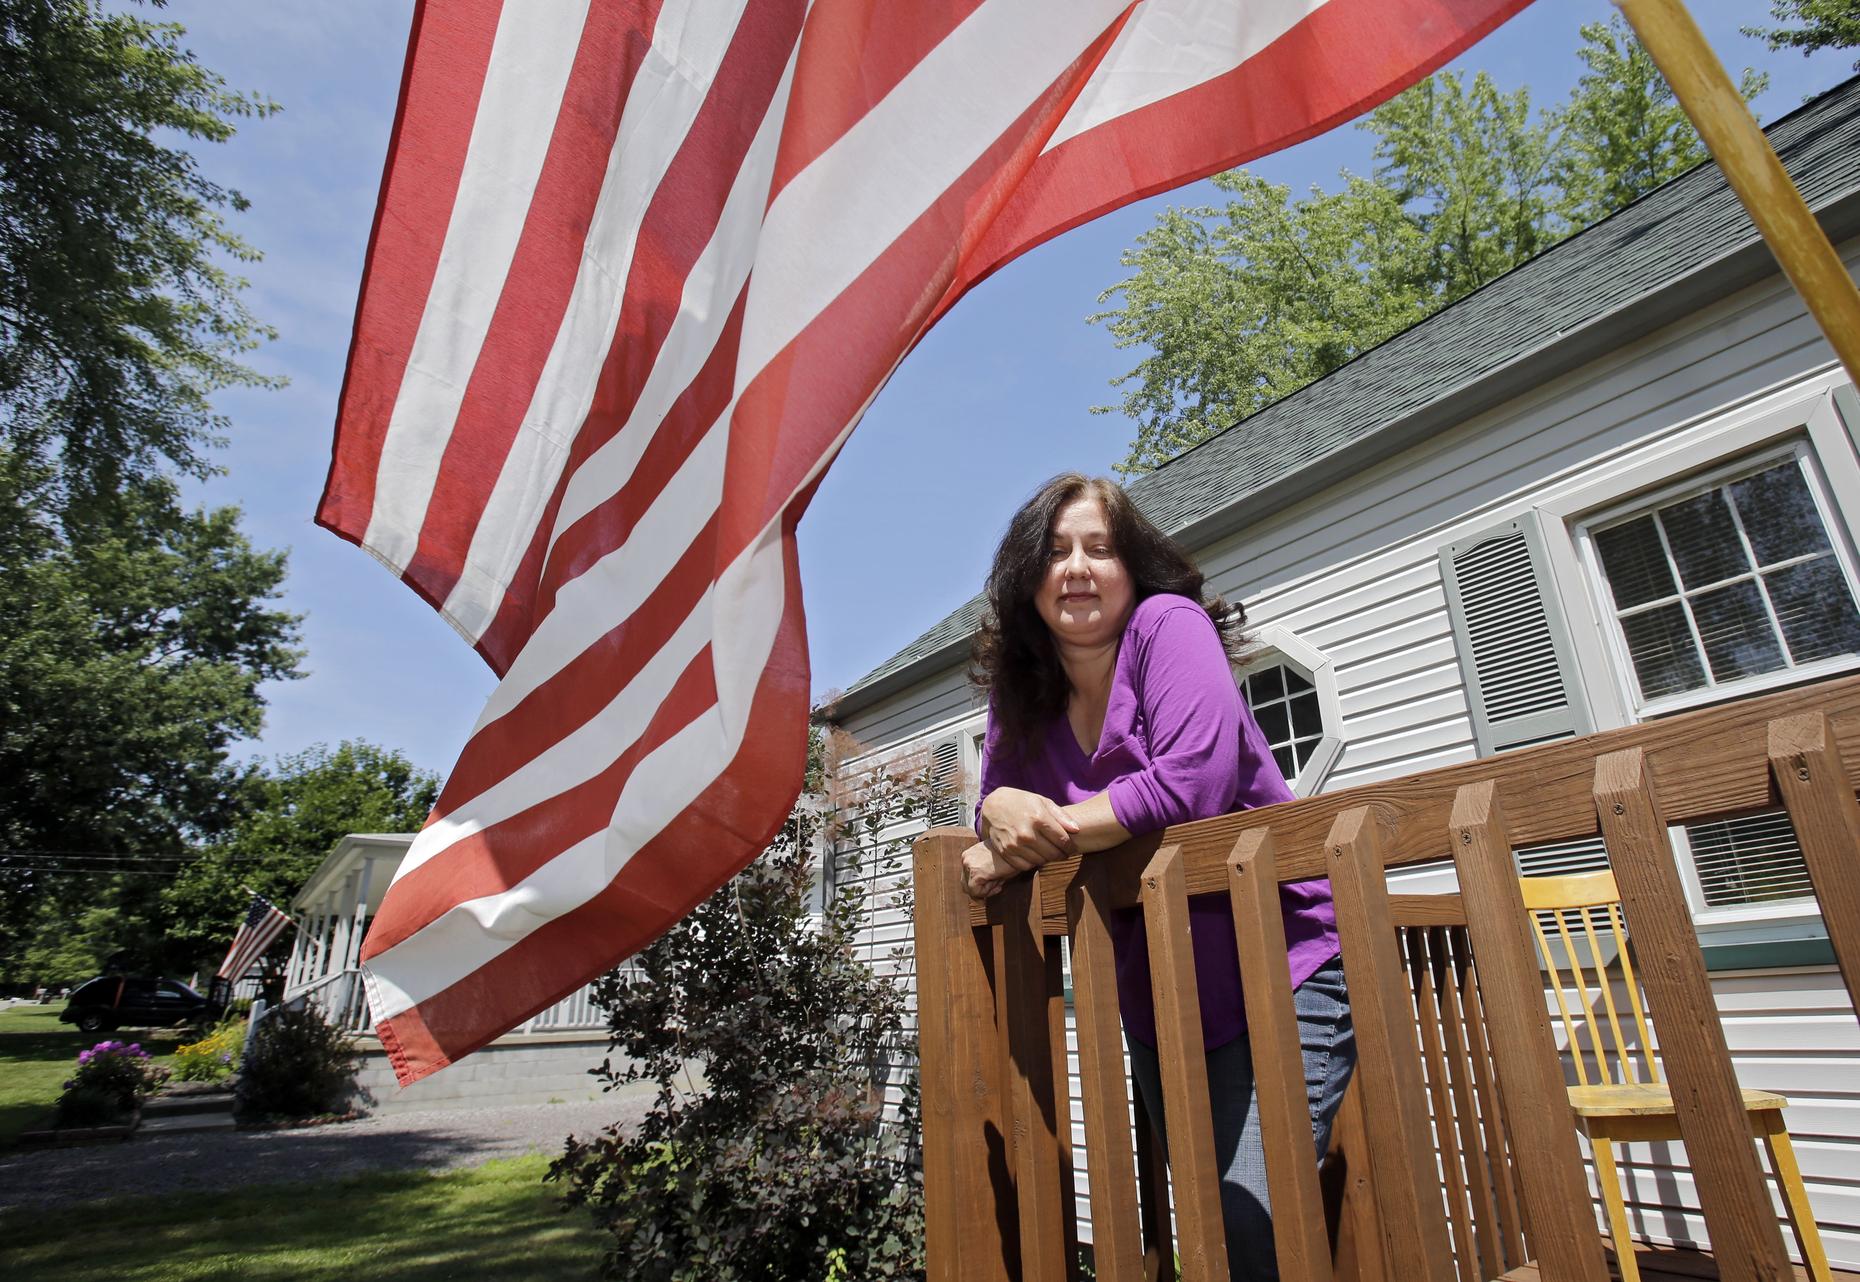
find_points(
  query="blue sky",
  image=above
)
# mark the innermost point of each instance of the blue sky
(992, 402)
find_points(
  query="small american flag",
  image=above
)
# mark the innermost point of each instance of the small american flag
(638, 267)
(264, 922)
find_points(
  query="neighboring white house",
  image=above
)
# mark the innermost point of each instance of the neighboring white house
(1618, 482)
(545, 1060)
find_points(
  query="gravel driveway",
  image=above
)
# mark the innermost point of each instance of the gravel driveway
(429, 1140)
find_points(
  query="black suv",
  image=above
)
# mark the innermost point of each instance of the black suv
(116, 1001)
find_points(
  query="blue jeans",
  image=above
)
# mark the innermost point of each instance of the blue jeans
(1329, 1044)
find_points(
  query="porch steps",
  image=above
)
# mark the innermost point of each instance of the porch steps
(188, 1111)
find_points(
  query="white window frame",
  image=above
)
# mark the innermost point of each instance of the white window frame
(1622, 666)
(1806, 415)
(1273, 644)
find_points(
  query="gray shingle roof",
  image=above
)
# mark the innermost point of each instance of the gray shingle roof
(1427, 377)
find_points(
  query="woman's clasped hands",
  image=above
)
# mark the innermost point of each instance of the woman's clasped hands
(1021, 831)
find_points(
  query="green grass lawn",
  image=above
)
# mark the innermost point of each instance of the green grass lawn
(497, 1222)
(37, 1053)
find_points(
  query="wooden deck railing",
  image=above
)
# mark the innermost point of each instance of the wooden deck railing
(1458, 1071)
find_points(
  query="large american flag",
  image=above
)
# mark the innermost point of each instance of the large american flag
(637, 269)
(264, 922)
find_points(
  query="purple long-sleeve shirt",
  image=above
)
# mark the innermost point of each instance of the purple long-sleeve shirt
(1178, 744)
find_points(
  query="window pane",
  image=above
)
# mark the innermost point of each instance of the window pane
(1704, 540)
(1635, 563)
(1273, 722)
(1739, 641)
(1295, 680)
(1287, 766)
(1665, 659)
(1269, 684)
(1304, 748)
(1307, 717)
(1816, 609)
(1779, 514)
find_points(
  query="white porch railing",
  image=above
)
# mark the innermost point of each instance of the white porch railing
(343, 1001)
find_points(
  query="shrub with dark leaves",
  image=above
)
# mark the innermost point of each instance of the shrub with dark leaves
(300, 1065)
(767, 1153)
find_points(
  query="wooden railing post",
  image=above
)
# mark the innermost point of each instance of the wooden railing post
(968, 1188)
(1745, 1237)
(1022, 978)
(1401, 1150)
(1298, 1231)
(1813, 783)
(1530, 1071)
(1117, 1244)
(1194, 1173)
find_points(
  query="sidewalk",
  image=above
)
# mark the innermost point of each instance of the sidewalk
(436, 1139)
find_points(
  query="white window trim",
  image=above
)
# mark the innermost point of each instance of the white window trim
(1805, 408)
(1800, 449)
(1803, 413)
(1273, 643)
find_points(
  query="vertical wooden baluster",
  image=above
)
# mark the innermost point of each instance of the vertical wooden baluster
(1361, 1253)
(1030, 1081)
(1389, 1056)
(1745, 1237)
(1194, 1175)
(1421, 970)
(1116, 1229)
(1153, 1194)
(967, 1179)
(1814, 786)
(1278, 1065)
(1484, 1217)
(1530, 1071)
(1514, 1236)
(1062, 1097)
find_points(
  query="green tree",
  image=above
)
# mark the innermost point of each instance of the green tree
(291, 817)
(1236, 306)
(1241, 305)
(132, 652)
(120, 308)
(1826, 24)
(1623, 132)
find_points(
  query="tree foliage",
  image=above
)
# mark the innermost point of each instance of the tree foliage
(291, 816)
(1826, 24)
(120, 308)
(765, 1153)
(1238, 305)
(132, 652)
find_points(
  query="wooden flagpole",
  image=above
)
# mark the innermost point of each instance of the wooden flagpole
(1751, 167)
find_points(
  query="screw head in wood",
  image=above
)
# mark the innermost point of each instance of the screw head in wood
(1620, 809)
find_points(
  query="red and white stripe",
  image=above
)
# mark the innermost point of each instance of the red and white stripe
(263, 923)
(637, 269)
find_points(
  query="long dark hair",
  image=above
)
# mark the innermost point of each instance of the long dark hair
(1013, 657)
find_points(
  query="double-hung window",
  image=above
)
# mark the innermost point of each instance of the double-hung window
(1735, 581)
(1727, 583)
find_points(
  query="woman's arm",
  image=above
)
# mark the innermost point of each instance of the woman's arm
(1095, 828)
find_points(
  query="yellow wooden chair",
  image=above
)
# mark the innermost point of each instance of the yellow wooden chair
(1620, 1104)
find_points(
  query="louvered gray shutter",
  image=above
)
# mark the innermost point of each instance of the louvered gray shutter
(1514, 647)
(946, 783)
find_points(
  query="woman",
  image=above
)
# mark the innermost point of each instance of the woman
(1113, 711)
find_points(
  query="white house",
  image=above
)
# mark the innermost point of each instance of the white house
(1621, 481)
(545, 1060)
